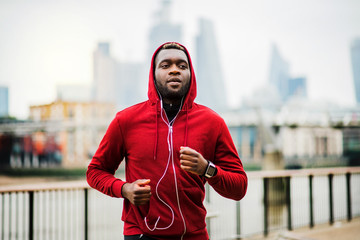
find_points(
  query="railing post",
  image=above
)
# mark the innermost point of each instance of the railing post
(3, 215)
(208, 200)
(288, 201)
(10, 213)
(31, 215)
(348, 196)
(17, 215)
(331, 202)
(24, 204)
(238, 221)
(311, 205)
(266, 206)
(86, 220)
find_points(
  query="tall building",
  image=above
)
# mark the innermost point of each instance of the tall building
(4, 101)
(120, 83)
(73, 93)
(104, 48)
(355, 59)
(163, 30)
(131, 84)
(279, 77)
(279, 72)
(211, 87)
(297, 87)
(104, 78)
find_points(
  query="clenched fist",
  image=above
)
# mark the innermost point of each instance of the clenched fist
(192, 161)
(138, 192)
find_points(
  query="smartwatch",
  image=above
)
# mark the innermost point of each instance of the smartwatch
(210, 170)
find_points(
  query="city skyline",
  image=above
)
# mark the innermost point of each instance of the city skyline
(355, 60)
(49, 43)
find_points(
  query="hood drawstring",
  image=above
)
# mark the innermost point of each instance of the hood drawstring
(156, 129)
(186, 127)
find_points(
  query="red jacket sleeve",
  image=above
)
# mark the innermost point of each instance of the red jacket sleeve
(230, 180)
(109, 155)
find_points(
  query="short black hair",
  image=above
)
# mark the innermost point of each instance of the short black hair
(173, 45)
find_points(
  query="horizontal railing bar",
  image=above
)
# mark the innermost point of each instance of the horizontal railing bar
(302, 172)
(69, 185)
(65, 185)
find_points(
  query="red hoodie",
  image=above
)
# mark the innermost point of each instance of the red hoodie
(141, 135)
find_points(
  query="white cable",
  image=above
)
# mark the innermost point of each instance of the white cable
(170, 157)
(157, 194)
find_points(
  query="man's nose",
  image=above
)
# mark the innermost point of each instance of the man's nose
(174, 70)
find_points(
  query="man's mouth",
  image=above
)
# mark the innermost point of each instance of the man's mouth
(174, 80)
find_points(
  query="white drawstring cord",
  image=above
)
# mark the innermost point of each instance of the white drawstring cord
(170, 157)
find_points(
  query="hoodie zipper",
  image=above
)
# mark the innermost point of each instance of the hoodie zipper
(175, 176)
(171, 151)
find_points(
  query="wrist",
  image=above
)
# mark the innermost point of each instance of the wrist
(210, 170)
(124, 190)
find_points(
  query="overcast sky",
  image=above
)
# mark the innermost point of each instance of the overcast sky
(44, 43)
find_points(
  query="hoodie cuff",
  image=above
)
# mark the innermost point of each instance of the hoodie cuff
(116, 188)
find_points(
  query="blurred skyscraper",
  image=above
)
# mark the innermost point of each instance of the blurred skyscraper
(163, 30)
(131, 84)
(355, 59)
(104, 79)
(279, 76)
(279, 72)
(104, 48)
(4, 101)
(73, 93)
(297, 87)
(117, 82)
(211, 89)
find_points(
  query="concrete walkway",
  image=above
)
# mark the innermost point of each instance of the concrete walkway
(338, 231)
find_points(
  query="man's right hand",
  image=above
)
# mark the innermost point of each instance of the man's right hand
(138, 192)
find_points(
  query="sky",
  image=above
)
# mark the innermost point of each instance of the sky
(45, 43)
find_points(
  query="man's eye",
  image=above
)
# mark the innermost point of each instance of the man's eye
(164, 66)
(183, 66)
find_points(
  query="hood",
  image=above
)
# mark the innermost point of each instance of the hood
(152, 92)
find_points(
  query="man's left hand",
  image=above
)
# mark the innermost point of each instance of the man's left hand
(192, 161)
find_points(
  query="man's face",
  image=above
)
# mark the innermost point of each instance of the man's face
(172, 74)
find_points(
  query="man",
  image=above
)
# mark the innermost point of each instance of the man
(172, 147)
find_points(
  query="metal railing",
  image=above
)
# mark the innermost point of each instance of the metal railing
(276, 200)
(299, 198)
(44, 211)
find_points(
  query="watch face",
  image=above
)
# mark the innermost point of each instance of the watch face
(210, 171)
